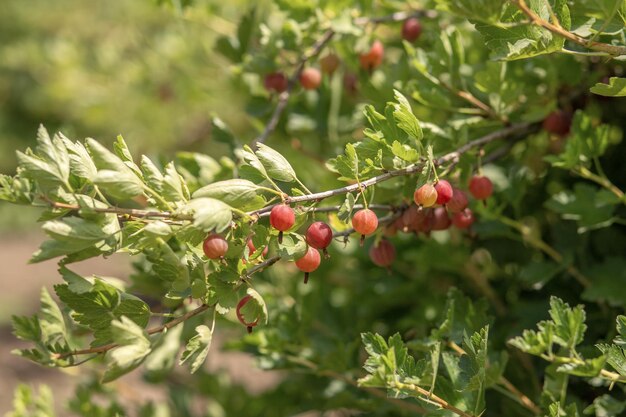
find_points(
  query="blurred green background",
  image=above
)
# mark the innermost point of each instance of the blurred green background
(98, 68)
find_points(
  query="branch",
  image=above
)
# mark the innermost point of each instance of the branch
(317, 47)
(556, 28)
(118, 210)
(430, 397)
(410, 170)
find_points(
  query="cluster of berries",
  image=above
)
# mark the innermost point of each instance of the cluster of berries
(311, 77)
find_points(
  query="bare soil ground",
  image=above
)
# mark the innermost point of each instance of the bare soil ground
(20, 285)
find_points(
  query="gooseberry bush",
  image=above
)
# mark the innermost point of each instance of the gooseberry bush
(447, 175)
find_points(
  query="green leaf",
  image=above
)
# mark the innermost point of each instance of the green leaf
(513, 39)
(569, 323)
(404, 152)
(535, 342)
(104, 303)
(51, 320)
(591, 207)
(134, 347)
(404, 117)
(73, 234)
(238, 193)
(164, 351)
(482, 10)
(276, 166)
(208, 214)
(50, 164)
(27, 404)
(121, 185)
(292, 248)
(173, 187)
(615, 88)
(615, 356)
(606, 406)
(197, 348)
(607, 284)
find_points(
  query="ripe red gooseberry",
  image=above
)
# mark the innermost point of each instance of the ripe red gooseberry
(411, 29)
(480, 187)
(282, 218)
(249, 325)
(319, 235)
(440, 219)
(458, 202)
(463, 219)
(364, 223)
(409, 218)
(558, 122)
(310, 78)
(425, 196)
(329, 63)
(252, 248)
(374, 57)
(309, 262)
(444, 191)
(275, 81)
(383, 253)
(350, 83)
(215, 246)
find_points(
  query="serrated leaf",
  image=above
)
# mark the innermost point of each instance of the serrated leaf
(238, 193)
(292, 248)
(134, 348)
(104, 303)
(569, 323)
(511, 38)
(276, 166)
(404, 117)
(208, 214)
(615, 88)
(197, 348)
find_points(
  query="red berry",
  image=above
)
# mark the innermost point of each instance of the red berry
(309, 262)
(215, 246)
(350, 83)
(329, 63)
(319, 235)
(480, 187)
(440, 219)
(282, 218)
(252, 249)
(425, 196)
(558, 122)
(463, 219)
(383, 254)
(365, 223)
(374, 57)
(240, 316)
(444, 191)
(410, 219)
(275, 81)
(411, 29)
(310, 78)
(458, 202)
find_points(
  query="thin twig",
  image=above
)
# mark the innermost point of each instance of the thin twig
(614, 50)
(409, 170)
(427, 395)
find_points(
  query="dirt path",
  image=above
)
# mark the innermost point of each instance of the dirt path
(20, 285)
